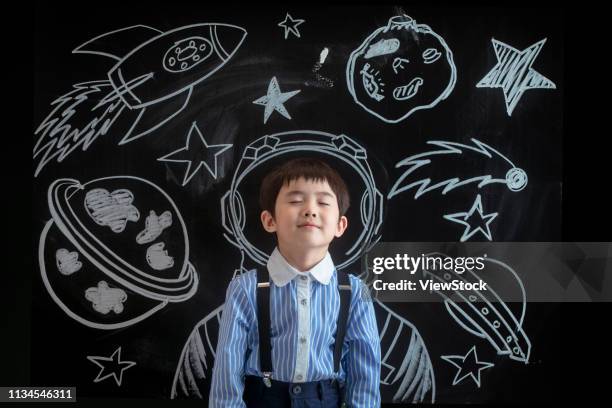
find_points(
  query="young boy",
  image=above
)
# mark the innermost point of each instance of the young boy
(304, 202)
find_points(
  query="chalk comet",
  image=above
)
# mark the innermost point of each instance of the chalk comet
(515, 178)
(153, 76)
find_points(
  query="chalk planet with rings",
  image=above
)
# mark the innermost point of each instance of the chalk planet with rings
(115, 251)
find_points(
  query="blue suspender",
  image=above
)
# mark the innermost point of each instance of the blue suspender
(263, 325)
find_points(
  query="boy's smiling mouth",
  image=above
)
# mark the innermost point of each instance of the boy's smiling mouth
(308, 225)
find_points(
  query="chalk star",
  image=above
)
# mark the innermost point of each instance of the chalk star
(274, 100)
(197, 151)
(513, 72)
(115, 364)
(468, 219)
(473, 366)
(290, 25)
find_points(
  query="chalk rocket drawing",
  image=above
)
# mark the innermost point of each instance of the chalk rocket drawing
(399, 69)
(111, 366)
(337, 147)
(197, 153)
(406, 366)
(196, 363)
(474, 220)
(487, 313)
(111, 261)
(153, 77)
(274, 100)
(290, 25)
(515, 178)
(467, 366)
(513, 72)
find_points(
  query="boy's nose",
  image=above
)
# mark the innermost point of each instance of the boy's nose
(310, 208)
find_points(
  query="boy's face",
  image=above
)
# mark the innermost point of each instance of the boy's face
(307, 216)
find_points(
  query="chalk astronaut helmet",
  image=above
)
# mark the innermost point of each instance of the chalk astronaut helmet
(241, 221)
(115, 251)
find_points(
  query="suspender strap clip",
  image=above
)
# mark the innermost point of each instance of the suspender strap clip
(267, 379)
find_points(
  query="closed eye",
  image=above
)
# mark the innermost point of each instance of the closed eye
(324, 203)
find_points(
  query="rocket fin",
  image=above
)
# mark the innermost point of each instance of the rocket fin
(149, 118)
(117, 44)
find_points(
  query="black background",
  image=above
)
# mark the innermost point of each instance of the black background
(537, 127)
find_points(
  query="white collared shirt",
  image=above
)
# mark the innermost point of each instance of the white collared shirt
(281, 273)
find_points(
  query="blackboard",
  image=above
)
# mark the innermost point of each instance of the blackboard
(154, 124)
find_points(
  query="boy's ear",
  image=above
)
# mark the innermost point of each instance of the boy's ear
(267, 220)
(342, 224)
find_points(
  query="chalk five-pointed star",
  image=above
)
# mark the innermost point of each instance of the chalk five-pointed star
(513, 72)
(290, 25)
(467, 365)
(112, 365)
(274, 99)
(196, 153)
(474, 220)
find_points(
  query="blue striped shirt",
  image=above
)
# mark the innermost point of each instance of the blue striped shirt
(238, 344)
